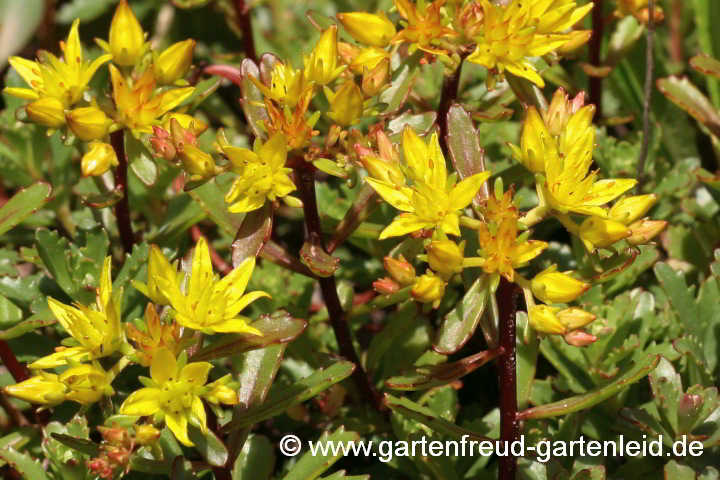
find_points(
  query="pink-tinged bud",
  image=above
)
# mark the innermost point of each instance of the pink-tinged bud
(386, 286)
(161, 133)
(643, 231)
(119, 456)
(116, 436)
(362, 150)
(400, 270)
(376, 80)
(579, 338)
(181, 137)
(470, 19)
(163, 148)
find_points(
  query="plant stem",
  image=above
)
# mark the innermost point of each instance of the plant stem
(595, 47)
(122, 208)
(509, 428)
(243, 12)
(20, 373)
(448, 97)
(647, 133)
(306, 188)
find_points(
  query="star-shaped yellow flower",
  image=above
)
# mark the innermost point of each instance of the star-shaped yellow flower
(209, 304)
(423, 26)
(434, 199)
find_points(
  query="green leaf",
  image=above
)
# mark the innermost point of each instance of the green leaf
(397, 324)
(421, 123)
(675, 471)
(526, 92)
(317, 259)
(19, 24)
(667, 389)
(85, 10)
(211, 196)
(427, 417)
(255, 115)
(83, 445)
(256, 459)
(24, 464)
(463, 142)
(429, 376)
(687, 96)
(361, 208)
(23, 204)
(706, 65)
(202, 91)
(253, 234)
(401, 84)
(460, 324)
(10, 314)
(680, 298)
(41, 319)
(182, 469)
(493, 114)
(597, 395)
(279, 327)
(310, 466)
(211, 448)
(295, 394)
(140, 160)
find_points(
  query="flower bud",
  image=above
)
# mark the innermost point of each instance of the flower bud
(346, 105)
(629, 209)
(579, 338)
(574, 318)
(643, 231)
(47, 111)
(321, 66)
(383, 170)
(531, 153)
(98, 159)
(386, 286)
(552, 286)
(543, 319)
(400, 270)
(598, 232)
(115, 436)
(368, 28)
(127, 39)
(368, 58)
(470, 19)
(428, 289)
(445, 257)
(181, 136)
(376, 81)
(88, 123)
(689, 409)
(86, 383)
(196, 126)
(347, 52)
(174, 63)
(558, 113)
(162, 144)
(199, 164)
(43, 389)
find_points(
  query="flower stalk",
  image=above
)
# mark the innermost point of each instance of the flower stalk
(122, 208)
(306, 189)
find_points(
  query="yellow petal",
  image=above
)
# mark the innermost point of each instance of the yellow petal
(240, 157)
(202, 273)
(526, 251)
(274, 151)
(178, 425)
(24, 93)
(163, 366)
(233, 309)
(198, 411)
(463, 193)
(142, 402)
(247, 204)
(416, 154)
(60, 358)
(396, 195)
(105, 283)
(235, 325)
(604, 191)
(195, 373)
(173, 98)
(404, 224)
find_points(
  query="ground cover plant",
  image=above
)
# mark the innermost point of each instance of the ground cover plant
(225, 222)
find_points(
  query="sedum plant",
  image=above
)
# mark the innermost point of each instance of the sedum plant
(224, 223)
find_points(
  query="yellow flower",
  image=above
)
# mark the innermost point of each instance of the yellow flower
(48, 111)
(368, 58)
(195, 126)
(127, 39)
(432, 201)
(84, 384)
(524, 29)
(445, 257)
(643, 231)
(154, 335)
(602, 232)
(97, 330)
(219, 392)
(428, 289)
(368, 28)
(531, 153)
(346, 105)
(568, 186)
(297, 129)
(424, 26)
(574, 318)
(502, 250)
(629, 209)
(139, 106)
(321, 66)
(209, 304)
(146, 434)
(400, 270)
(174, 62)
(639, 10)
(98, 159)
(158, 267)
(262, 174)
(562, 109)
(88, 123)
(287, 85)
(64, 80)
(544, 320)
(172, 391)
(552, 286)
(376, 80)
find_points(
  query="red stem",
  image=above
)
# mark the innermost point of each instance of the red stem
(306, 189)
(595, 85)
(243, 12)
(228, 72)
(122, 208)
(448, 97)
(509, 427)
(20, 373)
